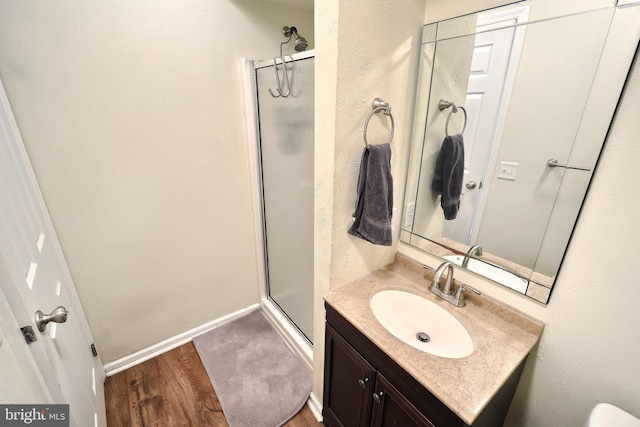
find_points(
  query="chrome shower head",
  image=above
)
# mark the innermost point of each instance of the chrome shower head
(300, 44)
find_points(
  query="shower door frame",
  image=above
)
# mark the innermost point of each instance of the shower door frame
(274, 313)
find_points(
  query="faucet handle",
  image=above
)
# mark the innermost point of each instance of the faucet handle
(459, 297)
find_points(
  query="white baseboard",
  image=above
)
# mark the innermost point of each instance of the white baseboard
(143, 355)
(315, 406)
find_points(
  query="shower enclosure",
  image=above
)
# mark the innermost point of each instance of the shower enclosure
(283, 157)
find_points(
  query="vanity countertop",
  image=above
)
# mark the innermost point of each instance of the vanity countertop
(502, 337)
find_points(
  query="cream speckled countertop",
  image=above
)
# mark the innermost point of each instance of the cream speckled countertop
(502, 337)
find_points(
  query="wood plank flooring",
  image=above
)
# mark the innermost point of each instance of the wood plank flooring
(172, 390)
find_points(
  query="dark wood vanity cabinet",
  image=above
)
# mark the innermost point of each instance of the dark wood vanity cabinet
(359, 396)
(364, 387)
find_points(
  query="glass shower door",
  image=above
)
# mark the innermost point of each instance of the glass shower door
(286, 128)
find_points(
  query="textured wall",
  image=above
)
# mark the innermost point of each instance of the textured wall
(365, 50)
(132, 114)
(438, 10)
(326, 16)
(371, 63)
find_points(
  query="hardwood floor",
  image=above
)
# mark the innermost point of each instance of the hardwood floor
(172, 390)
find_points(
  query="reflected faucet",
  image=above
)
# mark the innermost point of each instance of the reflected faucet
(475, 250)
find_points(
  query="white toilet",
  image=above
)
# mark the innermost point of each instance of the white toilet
(606, 415)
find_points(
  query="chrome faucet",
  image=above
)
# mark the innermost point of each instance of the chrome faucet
(475, 250)
(445, 291)
(435, 284)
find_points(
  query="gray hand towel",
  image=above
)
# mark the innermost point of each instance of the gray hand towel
(449, 173)
(374, 204)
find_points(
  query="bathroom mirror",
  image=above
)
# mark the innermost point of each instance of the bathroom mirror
(535, 96)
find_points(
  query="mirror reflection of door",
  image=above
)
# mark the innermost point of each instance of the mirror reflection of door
(488, 90)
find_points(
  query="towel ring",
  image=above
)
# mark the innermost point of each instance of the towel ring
(443, 105)
(379, 105)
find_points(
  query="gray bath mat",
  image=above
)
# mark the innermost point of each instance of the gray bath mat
(260, 382)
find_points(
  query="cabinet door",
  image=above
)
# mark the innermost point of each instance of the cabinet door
(348, 384)
(392, 409)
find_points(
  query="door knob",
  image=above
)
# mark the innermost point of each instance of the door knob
(58, 315)
(470, 185)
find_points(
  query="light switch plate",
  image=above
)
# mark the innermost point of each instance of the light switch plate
(508, 170)
(409, 213)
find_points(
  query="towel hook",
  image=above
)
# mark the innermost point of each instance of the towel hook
(280, 89)
(443, 105)
(379, 105)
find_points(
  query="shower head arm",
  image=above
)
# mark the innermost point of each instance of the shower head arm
(282, 44)
(289, 31)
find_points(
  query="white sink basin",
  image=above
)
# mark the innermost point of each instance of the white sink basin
(490, 272)
(405, 315)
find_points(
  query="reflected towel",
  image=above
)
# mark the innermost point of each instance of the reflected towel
(374, 204)
(449, 174)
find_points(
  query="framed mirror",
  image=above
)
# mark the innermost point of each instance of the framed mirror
(532, 99)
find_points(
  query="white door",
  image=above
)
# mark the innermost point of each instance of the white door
(489, 66)
(35, 277)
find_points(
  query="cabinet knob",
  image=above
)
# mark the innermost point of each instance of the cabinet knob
(363, 383)
(377, 396)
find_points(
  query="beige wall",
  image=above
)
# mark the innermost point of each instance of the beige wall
(132, 114)
(365, 50)
(438, 10)
(326, 16)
